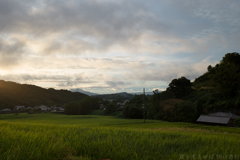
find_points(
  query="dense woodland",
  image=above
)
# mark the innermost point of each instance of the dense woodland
(216, 90)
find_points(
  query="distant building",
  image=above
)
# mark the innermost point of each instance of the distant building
(102, 107)
(57, 109)
(44, 108)
(53, 110)
(219, 118)
(121, 105)
(61, 109)
(224, 114)
(18, 107)
(7, 110)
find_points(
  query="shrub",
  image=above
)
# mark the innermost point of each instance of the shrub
(237, 122)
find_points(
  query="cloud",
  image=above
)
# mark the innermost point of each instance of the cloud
(80, 25)
(113, 44)
(10, 52)
(118, 84)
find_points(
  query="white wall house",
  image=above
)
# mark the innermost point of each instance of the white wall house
(18, 107)
(44, 108)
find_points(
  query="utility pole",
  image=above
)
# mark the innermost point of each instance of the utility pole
(144, 104)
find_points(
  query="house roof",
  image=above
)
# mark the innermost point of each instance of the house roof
(6, 110)
(224, 114)
(213, 119)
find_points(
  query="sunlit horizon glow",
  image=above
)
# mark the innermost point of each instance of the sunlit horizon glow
(106, 46)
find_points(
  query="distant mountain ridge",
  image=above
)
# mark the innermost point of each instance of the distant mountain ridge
(146, 93)
(122, 95)
(83, 91)
(13, 94)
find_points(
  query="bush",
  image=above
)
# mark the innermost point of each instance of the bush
(110, 108)
(237, 122)
(133, 112)
(73, 108)
(185, 112)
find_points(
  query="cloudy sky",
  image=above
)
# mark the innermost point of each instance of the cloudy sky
(108, 46)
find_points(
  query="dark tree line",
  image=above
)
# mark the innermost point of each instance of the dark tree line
(83, 107)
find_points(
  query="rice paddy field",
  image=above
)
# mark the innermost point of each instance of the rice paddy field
(90, 137)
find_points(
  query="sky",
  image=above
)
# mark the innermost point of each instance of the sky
(109, 46)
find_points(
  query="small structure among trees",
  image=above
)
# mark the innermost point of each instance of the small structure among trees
(219, 118)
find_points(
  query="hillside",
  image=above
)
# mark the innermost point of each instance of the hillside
(119, 96)
(216, 90)
(13, 94)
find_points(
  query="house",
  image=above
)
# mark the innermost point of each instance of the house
(121, 105)
(44, 108)
(224, 114)
(219, 118)
(18, 107)
(102, 107)
(7, 110)
(60, 109)
(29, 108)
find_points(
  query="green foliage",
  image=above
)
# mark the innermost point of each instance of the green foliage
(204, 81)
(231, 58)
(237, 122)
(224, 76)
(85, 106)
(155, 99)
(88, 104)
(185, 111)
(209, 68)
(110, 108)
(30, 112)
(133, 109)
(73, 108)
(138, 100)
(97, 112)
(180, 87)
(227, 78)
(135, 112)
(200, 107)
(51, 136)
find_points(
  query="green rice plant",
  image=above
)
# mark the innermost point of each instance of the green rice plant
(50, 136)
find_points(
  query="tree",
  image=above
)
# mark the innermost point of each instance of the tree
(237, 122)
(185, 112)
(85, 106)
(180, 87)
(132, 111)
(231, 58)
(89, 103)
(227, 75)
(209, 68)
(135, 113)
(73, 108)
(110, 108)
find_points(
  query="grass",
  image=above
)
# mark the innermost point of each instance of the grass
(55, 136)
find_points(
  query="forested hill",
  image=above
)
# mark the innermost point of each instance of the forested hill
(217, 90)
(13, 94)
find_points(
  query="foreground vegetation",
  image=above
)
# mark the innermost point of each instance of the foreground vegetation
(54, 136)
